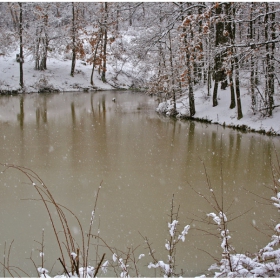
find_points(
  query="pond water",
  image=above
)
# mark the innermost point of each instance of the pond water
(73, 141)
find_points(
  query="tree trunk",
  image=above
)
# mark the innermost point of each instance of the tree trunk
(190, 83)
(215, 92)
(20, 47)
(232, 93)
(191, 99)
(190, 67)
(101, 50)
(37, 46)
(237, 90)
(103, 75)
(231, 29)
(172, 77)
(209, 68)
(217, 59)
(117, 17)
(45, 42)
(73, 41)
(94, 58)
(271, 65)
(235, 62)
(130, 14)
(219, 72)
(252, 63)
(14, 17)
(161, 61)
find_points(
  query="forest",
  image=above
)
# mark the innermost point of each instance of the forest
(176, 47)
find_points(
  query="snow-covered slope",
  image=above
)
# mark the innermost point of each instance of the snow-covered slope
(221, 114)
(57, 76)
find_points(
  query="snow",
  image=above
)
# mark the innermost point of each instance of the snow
(167, 246)
(161, 264)
(184, 232)
(221, 114)
(114, 257)
(105, 266)
(172, 227)
(92, 217)
(216, 219)
(74, 255)
(42, 270)
(57, 76)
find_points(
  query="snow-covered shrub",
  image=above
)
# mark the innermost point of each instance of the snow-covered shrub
(168, 268)
(67, 56)
(265, 263)
(162, 108)
(43, 272)
(43, 85)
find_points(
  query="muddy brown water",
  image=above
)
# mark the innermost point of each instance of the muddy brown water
(73, 141)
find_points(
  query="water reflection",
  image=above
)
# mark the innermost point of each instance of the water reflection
(21, 111)
(76, 140)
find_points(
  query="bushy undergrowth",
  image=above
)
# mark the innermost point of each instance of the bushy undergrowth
(75, 258)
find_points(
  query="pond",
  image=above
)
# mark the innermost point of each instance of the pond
(75, 141)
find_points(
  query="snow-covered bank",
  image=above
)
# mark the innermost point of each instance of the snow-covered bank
(57, 76)
(222, 115)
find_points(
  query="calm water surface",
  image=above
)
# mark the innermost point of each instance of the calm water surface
(73, 141)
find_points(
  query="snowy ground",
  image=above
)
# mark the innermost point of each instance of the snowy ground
(221, 114)
(57, 76)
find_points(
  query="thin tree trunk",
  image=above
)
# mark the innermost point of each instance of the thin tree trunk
(236, 67)
(130, 14)
(37, 46)
(94, 58)
(237, 90)
(209, 81)
(271, 65)
(215, 92)
(162, 62)
(73, 41)
(20, 47)
(191, 97)
(232, 93)
(117, 17)
(101, 50)
(231, 29)
(190, 73)
(252, 66)
(103, 75)
(267, 60)
(217, 59)
(43, 65)
(172, 76)
(14, 17)
(219, 73)
(209, 68)
(190, 78)
(143, 10)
